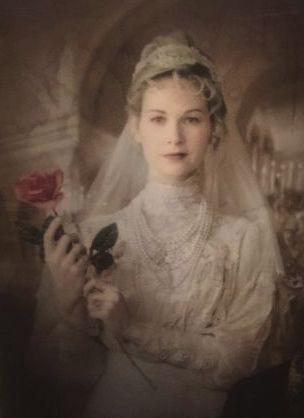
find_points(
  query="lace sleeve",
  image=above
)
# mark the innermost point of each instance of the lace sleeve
(58, 350)
(228, 351)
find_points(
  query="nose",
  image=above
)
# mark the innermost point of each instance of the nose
(174, 133)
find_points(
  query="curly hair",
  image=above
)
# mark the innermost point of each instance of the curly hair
(200, 78)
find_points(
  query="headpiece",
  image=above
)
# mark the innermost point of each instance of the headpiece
(166, 54)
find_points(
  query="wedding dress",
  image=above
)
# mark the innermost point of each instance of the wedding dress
(200, 305)
(198, 273)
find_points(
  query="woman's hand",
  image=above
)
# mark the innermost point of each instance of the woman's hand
(105, 302)
(67, 261)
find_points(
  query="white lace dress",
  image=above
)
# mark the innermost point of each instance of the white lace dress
(201, 307)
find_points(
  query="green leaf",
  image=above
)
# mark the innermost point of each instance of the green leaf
(30, 233)
(105, 239)
(99, 253)
(102, 261)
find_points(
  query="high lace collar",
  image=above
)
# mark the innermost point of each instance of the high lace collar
(160, 197)
(171, 207)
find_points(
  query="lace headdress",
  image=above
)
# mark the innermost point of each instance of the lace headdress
(167, 53)
(229, 183)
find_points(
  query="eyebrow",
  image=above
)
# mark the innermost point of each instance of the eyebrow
(187, 111)
(156, 110)
(195, 110)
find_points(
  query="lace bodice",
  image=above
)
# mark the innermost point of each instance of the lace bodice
(192, 281)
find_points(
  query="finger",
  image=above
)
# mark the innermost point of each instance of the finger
(100, 306)
(49, 235)
(78, 268)
(88, 287)
(63, 245)
(74, 237)
(82, 265)
(105, 276)
(95, 304)
(97, 297)
(91, 272)
(104, 292)
(75, 254)
(102, 285)
(99, 309)
(97, 313)
(95, 301)
(112, 294)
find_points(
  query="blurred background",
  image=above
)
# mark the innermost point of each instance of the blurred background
(64, 69)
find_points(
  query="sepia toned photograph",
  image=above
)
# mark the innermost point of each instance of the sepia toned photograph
(152, 209)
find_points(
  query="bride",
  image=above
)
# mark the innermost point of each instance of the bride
(189, 306)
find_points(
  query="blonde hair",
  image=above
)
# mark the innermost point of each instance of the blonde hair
(203, 85)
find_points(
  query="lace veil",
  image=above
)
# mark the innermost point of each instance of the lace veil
(230, 186)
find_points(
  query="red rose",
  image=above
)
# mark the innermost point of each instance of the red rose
(40, 189)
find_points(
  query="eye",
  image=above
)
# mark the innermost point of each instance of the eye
(192, 120)
(158, 119)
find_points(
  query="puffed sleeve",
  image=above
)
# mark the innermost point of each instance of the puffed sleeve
(229, 350)
(60, 350)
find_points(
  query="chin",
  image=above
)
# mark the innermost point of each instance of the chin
(176, 176)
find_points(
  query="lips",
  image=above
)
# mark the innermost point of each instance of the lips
(175, 155)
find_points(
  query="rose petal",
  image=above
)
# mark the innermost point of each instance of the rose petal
(40, 189)
(49, 204)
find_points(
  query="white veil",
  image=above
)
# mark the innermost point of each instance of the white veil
(230, 185)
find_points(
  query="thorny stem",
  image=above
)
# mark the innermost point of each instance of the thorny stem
(134, 364)
(131, 359)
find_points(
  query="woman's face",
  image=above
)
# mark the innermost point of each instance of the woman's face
(174, 129)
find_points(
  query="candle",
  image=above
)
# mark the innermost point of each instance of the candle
(299, 182)
(272, 176)
(290, 175)
(255, 158)
(265, 174)
(283, 177)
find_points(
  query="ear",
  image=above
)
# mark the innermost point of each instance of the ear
(133, 123)
(217, 133)
(214, 141)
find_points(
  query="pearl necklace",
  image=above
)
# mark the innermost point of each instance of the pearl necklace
(174, 260)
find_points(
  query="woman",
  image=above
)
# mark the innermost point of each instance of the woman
(191, 298)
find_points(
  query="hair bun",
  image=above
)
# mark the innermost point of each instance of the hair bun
(175, 38)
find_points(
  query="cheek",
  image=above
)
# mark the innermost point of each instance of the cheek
(149, 149)
(199, 145)
(198, 154)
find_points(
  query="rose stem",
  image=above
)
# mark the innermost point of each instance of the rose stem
(134, 364)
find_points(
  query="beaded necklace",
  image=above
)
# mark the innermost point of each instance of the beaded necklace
(173, 260)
